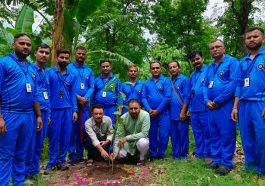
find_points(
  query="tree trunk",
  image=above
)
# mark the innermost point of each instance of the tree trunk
(57, 33)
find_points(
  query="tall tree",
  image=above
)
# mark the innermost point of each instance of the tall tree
(180, 24)
(238, 16)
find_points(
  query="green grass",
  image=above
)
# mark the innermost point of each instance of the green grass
(192, 172)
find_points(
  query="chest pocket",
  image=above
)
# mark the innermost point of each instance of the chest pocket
(224, 73)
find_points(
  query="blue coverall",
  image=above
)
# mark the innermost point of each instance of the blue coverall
(251, 105)
(219, 87)
(156, 96)
(179, 129)
(36, 142)
(131, 92)
(18, 93)
(109, 99)
(199, 114)
(85, 88)
(63, 104)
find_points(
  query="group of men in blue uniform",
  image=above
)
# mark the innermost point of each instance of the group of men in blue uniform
(55, 101)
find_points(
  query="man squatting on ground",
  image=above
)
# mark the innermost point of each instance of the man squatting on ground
(132, 134)
(18, 97)
(100, 134)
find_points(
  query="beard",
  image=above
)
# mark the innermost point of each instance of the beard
(254, 47)
(62, 64)
(21, 54)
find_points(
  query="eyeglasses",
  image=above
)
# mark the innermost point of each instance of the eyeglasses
(216, 47)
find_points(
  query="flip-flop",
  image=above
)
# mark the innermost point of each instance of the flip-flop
(90, 163)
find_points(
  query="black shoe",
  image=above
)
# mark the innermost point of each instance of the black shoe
(222, 170)
(80, 160)
(47, 171)
(64, 167)
(212, 165)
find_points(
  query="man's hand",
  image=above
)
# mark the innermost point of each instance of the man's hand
(49, 120)
(104, 143)
(210, 105)
(188, 113)
(2, 126)
(234, 114)
(39, 123)
(104, 155)
(215, 106)
(113, 156)
(263, 114)
(182, 116)
(153, 113)
(82, 101)
(75, 116)
(121, 142)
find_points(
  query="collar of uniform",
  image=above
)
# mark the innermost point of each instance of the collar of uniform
(57, 70)
(137, 81)
(262, 51)
(202, 68)
(160, 77)
(15, 58)
(110, 77)
(36, 66)
(103, 121)
(178, 77)
(76, 64)
(223, 61)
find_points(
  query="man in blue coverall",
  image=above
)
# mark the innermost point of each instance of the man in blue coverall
(42, 54)
(249, 105)
(18, 97)
(218, 92)
(63, 111)
(155, 98)
(197, 108)
(107, 90)
(179, 127)
(85, 89)
(132, 88)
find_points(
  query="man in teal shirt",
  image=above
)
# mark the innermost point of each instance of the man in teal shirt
(132, 133)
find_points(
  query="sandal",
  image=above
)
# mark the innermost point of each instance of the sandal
(89, 163)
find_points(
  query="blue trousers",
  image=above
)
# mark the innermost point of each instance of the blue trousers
(223, 135)
(159, 134)
(76, 148)
(199, 123)
(13, 147)
(59, 133)
(179, 138)
(35, 147)
(108, 111)
(252, 130)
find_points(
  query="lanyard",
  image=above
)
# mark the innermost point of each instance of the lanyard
(62, 80)
(249, 69)
(42, 76)
(81, 76)
(20, 65)
(215, 69)
(197, 75)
